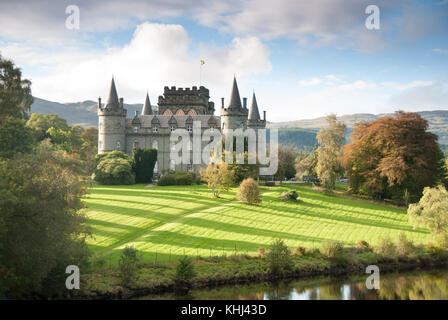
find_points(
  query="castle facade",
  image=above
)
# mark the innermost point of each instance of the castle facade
(177, 108)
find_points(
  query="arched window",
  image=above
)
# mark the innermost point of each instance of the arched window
(118, 145)
(180, 112)
(155, 145)
(192, 112)
(168, 112)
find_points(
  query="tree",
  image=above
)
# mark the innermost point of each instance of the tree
(40, 123)
(393, 154)
(244, 170)
(286, 163)
(143, 162)
(15, 137)
(432, 212)
(15, 92)
(279, 257)
(42, 229)
(248, 191)
(89, 148)
(114, 171)
(127, 265)
(329, 151)
(307, 163)
(219, 177)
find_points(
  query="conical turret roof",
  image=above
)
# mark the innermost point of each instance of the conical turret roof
(147, 110)
(235, 100)
(254, 114)
(112, 100)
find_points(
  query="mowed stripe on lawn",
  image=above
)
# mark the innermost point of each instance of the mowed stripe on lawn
(172, 220)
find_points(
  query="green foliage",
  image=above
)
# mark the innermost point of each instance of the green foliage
(40, 123)
(290, 195)
(219, 177)
(127, 265)
(15, 137)
(111, 155)
(386, 249)
(363, 246)
(179, 178)
(184, 270)
(432, 211)
(143, 161)
(333, 250)
(110, 171)
(286, 163)
(248, 192)
(300, 251)
(60, 138)
(15, 92)
(436, 251)
(43, 227)
(328, 167)
(244, 170)
(404, 246)
(279, 258)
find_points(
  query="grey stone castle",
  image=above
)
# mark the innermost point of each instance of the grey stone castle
(177, 108)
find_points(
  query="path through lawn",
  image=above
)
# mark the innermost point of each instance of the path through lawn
(165, 222)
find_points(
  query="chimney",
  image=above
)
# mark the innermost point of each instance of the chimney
(121, 103)
(222, 103)
(245, 103)
(264, 115)
(99, 102)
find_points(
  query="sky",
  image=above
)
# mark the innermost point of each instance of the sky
(303, 59)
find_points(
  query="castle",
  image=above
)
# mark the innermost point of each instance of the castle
(177, 108)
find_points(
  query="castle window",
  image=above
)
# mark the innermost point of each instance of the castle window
(135, 129)
(118, 145)
(190, 129)
(135, 144)
(172, 128)
(189, 145)
(155, 129)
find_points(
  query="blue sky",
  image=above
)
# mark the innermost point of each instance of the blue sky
(303, 59)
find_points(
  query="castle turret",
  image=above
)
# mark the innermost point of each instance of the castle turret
(234, 116)
(254, 121)
(147, 110)
(111, 126)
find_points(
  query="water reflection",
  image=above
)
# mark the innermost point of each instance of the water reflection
(431, 285)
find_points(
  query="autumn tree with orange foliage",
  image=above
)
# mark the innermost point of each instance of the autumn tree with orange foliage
(393, 157)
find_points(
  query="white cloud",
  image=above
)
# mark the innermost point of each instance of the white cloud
(157, 55)
(314, 81)
(443, 51)
(429, 96)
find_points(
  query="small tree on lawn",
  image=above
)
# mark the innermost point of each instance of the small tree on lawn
(279, 257)
(248, 191)
(219, 178)
(432, 212)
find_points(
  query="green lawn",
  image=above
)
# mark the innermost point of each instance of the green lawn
(171, 221)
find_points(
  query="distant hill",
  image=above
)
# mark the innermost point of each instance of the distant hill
(301, 133)
(79, 113)
(438, 122)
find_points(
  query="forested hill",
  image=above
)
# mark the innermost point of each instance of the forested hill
(301, 133)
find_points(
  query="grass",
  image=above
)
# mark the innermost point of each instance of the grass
(164, 223)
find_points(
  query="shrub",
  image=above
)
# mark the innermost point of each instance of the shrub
(127, 265)
(300, 251)
(363, 246)
(167, 180)
(143, 162)
(386, 249)
(404, 247)
(289, 195)
(248, 191)
(332, 249)
(114, 169)
(184, 270)
(219, 177)
(261, 252)
(179, 178)
(279, 258)
(436, 251)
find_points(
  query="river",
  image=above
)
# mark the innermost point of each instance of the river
(418, 285)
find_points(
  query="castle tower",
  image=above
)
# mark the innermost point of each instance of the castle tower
(254, 121)
(111, 126)
(147, 110)
(235, 115)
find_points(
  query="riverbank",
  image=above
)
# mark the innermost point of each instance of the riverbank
(240, 269)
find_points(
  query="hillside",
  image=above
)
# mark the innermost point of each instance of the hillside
(298, 132)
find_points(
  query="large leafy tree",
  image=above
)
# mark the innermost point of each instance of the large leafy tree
(15, 92)
(15, 137)
(286, 163)
(42, 229)
(393, 157)
(41, 123)
(329, 151)
(143, 161)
